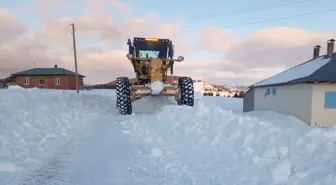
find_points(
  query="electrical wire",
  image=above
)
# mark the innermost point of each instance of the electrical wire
(234, 12)
(255, 22)
(268, 20)
(260, 21)
(239, 11)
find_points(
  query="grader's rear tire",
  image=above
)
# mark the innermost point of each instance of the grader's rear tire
(185, 91)
(123, 91)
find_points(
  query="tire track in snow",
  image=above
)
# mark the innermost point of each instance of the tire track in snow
(108, 157)
(54, 169)
(174, 157)
(51, 172)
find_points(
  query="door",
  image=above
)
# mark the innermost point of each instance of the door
(42, 83)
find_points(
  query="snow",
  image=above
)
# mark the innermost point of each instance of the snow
(282, 172)
(156, 152)
(199, 86)
(35, 123)
(235, 104)
(299, 71)
(156, 87)
(14, 87)
(60, 137)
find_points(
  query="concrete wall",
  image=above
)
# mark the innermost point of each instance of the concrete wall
(320, 114)
(295, 100)
(248, 102)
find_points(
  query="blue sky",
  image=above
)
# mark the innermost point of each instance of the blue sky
(175, 9)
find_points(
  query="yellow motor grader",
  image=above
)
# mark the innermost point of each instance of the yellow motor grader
(152, 58)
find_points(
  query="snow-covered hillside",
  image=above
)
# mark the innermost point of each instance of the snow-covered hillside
(221, 90)
(59, 137)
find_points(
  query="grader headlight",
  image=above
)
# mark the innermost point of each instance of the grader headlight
(129, 56)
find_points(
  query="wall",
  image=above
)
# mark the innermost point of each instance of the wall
(321, 115)
(248, 102)
(72, 82)
(295, 100)
(66, 82)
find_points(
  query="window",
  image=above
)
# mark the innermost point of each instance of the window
(268, 92)
(42, 81)
(26, 81)
(330, 100)
(57, 81)
(150, 53)
(273, 91)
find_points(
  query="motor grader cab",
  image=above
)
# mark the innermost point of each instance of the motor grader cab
(152, 59)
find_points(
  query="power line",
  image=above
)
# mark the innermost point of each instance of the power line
(240, 11)
(234, 12)
(268, 20)
(261, 21)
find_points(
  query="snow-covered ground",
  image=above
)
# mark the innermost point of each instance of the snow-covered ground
(59, 137)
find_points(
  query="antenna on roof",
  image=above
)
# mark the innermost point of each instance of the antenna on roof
(34, 65)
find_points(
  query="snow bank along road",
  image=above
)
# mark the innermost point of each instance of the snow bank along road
(59, 137)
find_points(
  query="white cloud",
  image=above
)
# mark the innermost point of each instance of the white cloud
(10, 27)
(272, 50)
(101, 42)
(215, 39)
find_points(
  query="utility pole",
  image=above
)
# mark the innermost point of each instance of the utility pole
(75, 54)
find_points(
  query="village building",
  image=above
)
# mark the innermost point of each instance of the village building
(306, 91)
(49, 78)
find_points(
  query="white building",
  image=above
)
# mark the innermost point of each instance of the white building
(306, 91)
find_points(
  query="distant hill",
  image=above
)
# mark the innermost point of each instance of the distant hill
(220, 87)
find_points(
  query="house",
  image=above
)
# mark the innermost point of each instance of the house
(4, 83)
(50, 78)
(306, 91)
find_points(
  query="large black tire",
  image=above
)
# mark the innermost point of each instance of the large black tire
(185, 91)
(123, 91)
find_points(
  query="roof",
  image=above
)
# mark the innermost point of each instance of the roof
(321, 69)
(46, 71)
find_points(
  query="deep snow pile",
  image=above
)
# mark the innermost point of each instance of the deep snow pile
(209, 145)
(35, 123)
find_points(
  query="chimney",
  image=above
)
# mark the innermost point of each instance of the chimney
(330, 47)
(55, 66)
(316, 53)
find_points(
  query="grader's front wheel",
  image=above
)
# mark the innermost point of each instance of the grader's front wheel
(185, 91)
(124, 100)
